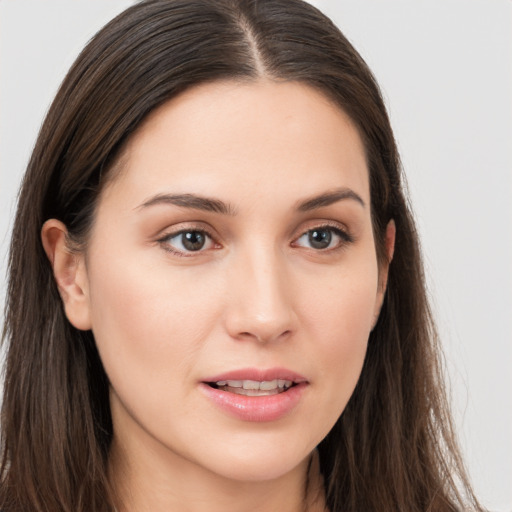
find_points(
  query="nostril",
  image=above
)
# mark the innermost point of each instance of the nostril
(262, 337)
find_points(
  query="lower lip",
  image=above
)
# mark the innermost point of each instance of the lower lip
(255, 408)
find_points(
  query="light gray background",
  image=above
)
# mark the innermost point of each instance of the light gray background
(445, 67)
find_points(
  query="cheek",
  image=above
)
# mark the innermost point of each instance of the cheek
(148, 321)
(340, 320)
(341, 307)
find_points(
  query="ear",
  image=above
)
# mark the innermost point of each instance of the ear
(69, 272)
(384, 269)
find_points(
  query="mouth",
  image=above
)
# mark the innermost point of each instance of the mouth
(256, 395)
(253, 387)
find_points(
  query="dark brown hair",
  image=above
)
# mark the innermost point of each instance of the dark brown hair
(393, 448)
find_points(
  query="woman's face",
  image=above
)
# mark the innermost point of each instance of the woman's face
(231, 279)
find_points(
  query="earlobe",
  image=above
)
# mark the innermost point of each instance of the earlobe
(384, 270)
(69, 272)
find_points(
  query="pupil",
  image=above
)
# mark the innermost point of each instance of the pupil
(193, 240)
(320, 238)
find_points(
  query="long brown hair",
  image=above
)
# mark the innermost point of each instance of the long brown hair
(393, 448)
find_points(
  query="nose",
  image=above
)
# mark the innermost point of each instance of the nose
(260, 303)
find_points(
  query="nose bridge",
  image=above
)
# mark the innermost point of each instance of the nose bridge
(261, 303)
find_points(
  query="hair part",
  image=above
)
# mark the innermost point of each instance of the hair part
(393, 448)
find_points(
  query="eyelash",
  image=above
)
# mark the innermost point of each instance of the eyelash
(345, 239)
(164, 241)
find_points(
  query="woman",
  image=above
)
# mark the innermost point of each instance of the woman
(216, 297)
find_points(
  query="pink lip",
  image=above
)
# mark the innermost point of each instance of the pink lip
(256, 408)
(258, 374)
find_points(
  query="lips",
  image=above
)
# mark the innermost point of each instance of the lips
(255, 395)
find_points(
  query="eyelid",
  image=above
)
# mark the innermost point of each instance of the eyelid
(340, 230)
(175, 231)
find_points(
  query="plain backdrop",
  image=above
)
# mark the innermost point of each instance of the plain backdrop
(445, 68)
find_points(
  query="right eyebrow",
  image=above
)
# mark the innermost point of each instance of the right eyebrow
(192, 201)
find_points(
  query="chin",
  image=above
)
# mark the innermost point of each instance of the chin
(259, 463)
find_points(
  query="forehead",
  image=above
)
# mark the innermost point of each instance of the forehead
(264, 136)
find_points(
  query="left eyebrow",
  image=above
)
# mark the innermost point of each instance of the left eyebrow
(329, 198)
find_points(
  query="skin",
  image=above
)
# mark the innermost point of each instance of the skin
(257, 294)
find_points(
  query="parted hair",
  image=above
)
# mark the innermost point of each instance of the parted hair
(393, 448)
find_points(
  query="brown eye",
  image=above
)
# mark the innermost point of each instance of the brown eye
(320, 238)
(323, 237)
(193, 240)
(189, 241)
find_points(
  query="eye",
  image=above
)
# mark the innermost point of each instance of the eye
(186, 241)
(323, 237)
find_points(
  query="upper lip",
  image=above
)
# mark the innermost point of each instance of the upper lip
(257, 374)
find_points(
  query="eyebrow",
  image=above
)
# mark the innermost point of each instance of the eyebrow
(329, 198)
(209, 204)
(191, 201)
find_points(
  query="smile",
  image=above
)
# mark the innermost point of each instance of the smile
(253, 387)
(256, 395)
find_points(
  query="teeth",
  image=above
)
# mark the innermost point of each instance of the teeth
(254, 385)
(268, 384)
(255, 392)
(234, 383)
(251, 384)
